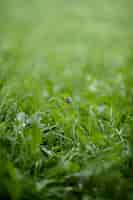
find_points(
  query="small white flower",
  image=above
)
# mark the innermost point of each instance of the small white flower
(93, 86)
(101, 108)
(21, 116)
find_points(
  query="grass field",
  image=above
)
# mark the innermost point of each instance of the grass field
(66, 100)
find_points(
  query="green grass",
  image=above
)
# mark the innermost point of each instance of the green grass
(66, 100)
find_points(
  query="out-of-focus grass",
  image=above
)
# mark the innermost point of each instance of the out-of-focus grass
(66, 99)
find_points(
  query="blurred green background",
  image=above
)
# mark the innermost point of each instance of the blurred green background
(72, 32)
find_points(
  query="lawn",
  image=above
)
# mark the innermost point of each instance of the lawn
(66, 100)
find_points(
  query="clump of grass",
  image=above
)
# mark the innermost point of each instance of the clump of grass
(66, 101)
